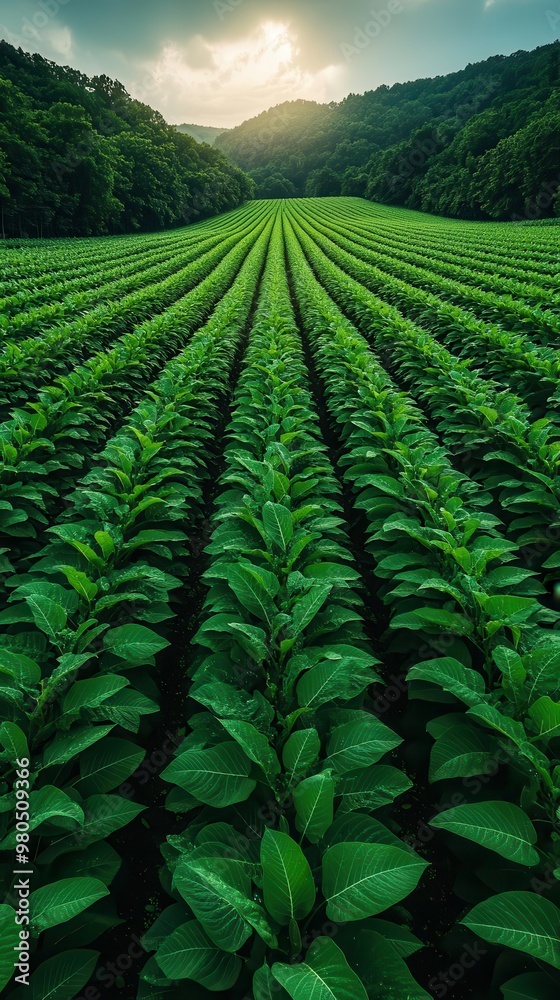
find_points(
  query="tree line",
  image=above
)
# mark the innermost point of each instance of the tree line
(80, 157)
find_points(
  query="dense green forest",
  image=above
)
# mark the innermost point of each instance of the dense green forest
(79, 156)
(480, 143)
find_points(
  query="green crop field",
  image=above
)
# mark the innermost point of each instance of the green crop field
(280, 628)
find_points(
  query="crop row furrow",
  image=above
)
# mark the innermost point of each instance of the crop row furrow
(486, 255)
(423, 285)
(529, 370)
(47, 444)
(35, 322)
(494, 298)
(43, 306)
(488, 429)
(78, 257)
(25, 367)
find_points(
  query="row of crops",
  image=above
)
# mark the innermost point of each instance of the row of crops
(279, 626)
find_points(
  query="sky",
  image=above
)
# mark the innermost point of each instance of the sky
(219, 62)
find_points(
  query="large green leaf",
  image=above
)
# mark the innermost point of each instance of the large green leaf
(66, 746)
(189, 953)
(500, 826)
(9, 937)
(106, 765)
(358, 827)
(462, 752)
(54, 904)
(218, 777)
(81, 583)
(63, 976)
(255, 589)
(255, 745)
(47, 803)
(466, 684)
(301, 750)
(104, 814)
(530, 986)
(433, 621)
(48, 616)
(542, 667)
(336, 678)
(265, 986)
(495, 719)
(278, 524)
(168, 921)
(218, 893)
(379, 964)
(99, 860)
(360, 744)
(228, 702)
(314, 805)
(520, 920)
(545, 713)
(221, 840)
(404, 942)
(288, 887)
(362, 880)
(502, 607)
(25, 671)
(93, 692)
(134, 643)
(371, 787)
(331, 572)
(251, 639)
(324, 975)
(14, 741)
(307, 607)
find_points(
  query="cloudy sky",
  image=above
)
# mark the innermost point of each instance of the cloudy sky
(218, 62)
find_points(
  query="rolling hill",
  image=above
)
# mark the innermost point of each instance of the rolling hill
(202, 133)
(477, 144)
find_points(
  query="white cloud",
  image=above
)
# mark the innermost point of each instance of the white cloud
(223, 83)
(59, 39)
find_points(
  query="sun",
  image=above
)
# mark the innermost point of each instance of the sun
(275, 31)
(261, 69)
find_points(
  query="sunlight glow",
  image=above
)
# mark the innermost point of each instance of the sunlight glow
(232, 80)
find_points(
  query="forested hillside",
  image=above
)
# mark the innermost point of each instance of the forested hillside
(79, 156)
(202, 133)
(480, 143)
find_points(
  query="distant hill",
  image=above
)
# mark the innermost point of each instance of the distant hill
(202, 133)
(482, 143)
